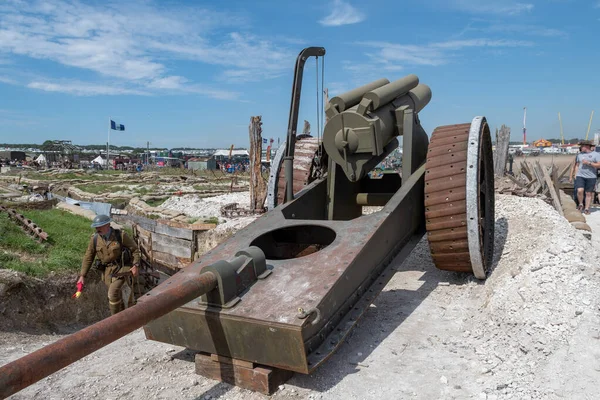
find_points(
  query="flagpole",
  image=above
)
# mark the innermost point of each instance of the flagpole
(108, 145)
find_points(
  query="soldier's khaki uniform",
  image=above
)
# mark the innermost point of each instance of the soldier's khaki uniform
(109, 253)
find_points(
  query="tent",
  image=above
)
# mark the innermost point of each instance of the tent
(41, 158)
(99, 160)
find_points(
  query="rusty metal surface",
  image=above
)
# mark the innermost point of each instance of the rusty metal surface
(265, 326)
(47, 360)
(26, 224)
(446, 198)
(305, 152)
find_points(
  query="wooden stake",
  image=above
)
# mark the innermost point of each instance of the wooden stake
(501, 153)
(553, 194)
(258, 188)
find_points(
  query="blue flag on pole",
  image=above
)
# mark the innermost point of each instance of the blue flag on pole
(264, 141)
(116, 127)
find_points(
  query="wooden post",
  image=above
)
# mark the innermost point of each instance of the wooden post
(258, 189)
(501, 153)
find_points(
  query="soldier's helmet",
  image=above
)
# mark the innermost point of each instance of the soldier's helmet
(101, 220)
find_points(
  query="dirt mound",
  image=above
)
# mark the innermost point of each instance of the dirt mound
(538, 305)
(38, 305)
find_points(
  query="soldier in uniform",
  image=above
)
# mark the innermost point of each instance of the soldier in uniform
(108, 252)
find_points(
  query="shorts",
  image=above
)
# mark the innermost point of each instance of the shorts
(588, 184)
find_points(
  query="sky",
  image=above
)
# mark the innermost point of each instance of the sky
(193, 73)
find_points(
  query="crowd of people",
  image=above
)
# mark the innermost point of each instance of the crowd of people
(231, 166)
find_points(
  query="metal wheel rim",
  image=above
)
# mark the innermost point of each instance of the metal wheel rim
(480, 197)
(274, 177)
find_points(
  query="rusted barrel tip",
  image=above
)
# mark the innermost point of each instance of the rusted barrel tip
(27, 370)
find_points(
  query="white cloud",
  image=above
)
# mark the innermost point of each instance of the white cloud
(342, 13)
(394, 57)
(461, 44)
(83, 88)
(170, 82)
(7, 80)
(533, 30)
(504, 7)
(489, 26)
(130, 44)
(245, 57)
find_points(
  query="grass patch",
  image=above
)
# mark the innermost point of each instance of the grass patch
(68, 237)
(201, 187)
(155, 202)
(142, 191)
(212, 220)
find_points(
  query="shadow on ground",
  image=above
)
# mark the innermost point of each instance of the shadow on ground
(392, 308)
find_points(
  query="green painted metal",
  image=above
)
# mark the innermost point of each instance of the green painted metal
(361, 136)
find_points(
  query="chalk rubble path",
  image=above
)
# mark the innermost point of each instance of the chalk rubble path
(529, 332)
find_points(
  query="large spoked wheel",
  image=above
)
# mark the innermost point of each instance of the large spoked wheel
(459, 197)
(307, 167)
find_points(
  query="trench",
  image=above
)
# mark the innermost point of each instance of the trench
(41, 306)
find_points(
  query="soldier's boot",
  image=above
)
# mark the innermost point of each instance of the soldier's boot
(115, 306)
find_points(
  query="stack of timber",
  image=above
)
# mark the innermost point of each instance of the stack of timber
(168, 245)
(535, 180)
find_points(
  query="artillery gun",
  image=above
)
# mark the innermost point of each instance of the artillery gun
(300, 276)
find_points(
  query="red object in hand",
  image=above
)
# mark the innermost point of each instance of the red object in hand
(79, 290)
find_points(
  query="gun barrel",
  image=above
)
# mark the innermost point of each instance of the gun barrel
(349, 99)
(421, 96)
(383, 95)
(27, 370)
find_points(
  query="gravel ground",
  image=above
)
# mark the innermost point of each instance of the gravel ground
(195, 206)
(530, 331)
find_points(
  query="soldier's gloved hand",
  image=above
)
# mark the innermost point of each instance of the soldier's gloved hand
(134, 270)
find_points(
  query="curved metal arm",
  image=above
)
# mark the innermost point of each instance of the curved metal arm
(288, 160)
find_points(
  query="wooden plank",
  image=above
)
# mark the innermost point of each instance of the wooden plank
(143, 232)
(259, 379)
(539, 176)
(501, 152)
(144, 222)
(555, 182)
(171, 245)
(553, 194)
(530, 184)
(234, 361)
(170, 260)
(201, 226)
(564, 171)
(515, 180)
(198, 226)
(179, 233)
(525, 171)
